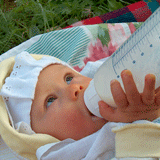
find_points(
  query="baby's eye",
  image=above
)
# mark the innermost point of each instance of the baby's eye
(50, 101)
(69, 79)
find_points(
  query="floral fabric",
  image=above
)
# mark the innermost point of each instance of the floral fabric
(108, 39)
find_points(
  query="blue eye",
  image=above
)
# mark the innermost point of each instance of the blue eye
(50, 101)
(69, 79)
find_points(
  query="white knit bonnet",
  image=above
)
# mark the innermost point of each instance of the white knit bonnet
(19, 88)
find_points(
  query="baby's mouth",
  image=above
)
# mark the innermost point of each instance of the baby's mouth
(93, 117)
(90, 113)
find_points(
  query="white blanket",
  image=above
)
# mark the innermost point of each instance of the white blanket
(98, 146)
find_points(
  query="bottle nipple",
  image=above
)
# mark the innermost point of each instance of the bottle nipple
(91, 99)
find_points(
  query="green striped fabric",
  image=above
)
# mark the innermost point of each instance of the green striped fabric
(69, 45)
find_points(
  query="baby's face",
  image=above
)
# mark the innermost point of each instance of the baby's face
(58, 108)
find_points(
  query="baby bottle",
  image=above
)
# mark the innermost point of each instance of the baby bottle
(99, 87)
(140, 54)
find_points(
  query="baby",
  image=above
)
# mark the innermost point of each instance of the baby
(46, 96)
(58, 108)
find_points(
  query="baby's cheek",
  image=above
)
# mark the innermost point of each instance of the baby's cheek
(74, 118)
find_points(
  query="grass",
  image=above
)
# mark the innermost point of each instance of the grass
(23, 19)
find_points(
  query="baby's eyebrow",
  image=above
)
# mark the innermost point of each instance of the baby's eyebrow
(62, 69)
(67, 69)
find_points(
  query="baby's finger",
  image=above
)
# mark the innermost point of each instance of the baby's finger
(119, 95)
(148, 95)
(106, 111)
(157, 90)
(132, 93)
(157, 98)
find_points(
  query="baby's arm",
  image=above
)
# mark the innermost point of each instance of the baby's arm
(132, 105)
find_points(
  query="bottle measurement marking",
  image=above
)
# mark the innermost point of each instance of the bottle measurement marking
(149, 29)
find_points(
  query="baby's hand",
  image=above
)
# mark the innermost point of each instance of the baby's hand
(132, 105)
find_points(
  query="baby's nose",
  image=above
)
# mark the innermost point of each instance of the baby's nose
(74, 90)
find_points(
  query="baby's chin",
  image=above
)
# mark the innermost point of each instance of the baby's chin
(99, 121)
(96, 118)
